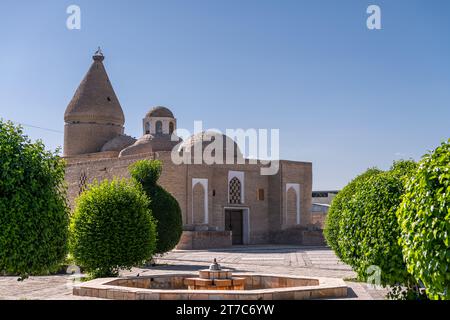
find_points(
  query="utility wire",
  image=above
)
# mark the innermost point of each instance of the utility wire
(37, 127)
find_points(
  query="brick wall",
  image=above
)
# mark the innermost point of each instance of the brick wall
(265, 216)
(301, 173)
(318, 219)
(204, 240)
(82, 138)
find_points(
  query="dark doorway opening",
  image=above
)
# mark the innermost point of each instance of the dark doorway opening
(234, 223)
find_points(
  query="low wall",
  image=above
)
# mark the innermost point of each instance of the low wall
(197, 240)
(318, 219)
(313, 238)
(299, 236)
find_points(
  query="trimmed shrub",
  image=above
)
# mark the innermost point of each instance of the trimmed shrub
(404, 169)
(112, 228)
(424, 218)
(331, 228)
(368, 229)
(164, 206)
(34, 216)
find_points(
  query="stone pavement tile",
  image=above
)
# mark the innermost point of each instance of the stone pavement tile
(293, 260)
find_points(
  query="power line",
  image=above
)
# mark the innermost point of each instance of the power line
(37, 127)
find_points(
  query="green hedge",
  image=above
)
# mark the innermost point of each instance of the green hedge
(34, 216)
(164, 206)
(368, 228)
(424, 218)
(112, 228)
(331, 228)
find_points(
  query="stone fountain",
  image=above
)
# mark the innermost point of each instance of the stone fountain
(215, 278)
(212, 284)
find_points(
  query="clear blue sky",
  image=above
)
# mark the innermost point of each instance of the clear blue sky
(344, 97)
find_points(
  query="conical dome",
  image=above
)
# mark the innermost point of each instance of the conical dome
(95, 99)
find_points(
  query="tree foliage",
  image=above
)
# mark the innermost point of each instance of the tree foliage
(112, 228)
(34, 216)
(331, 229)
(363, 229)
(164, 206)
(424, 218)
(368, 228)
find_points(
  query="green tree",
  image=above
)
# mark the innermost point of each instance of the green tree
(34, 216)
(363, 229)
(112, 228)
(164, 206)
(424, 219)
(333, 218)
(368, 228)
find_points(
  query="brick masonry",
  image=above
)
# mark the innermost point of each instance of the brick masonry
(204, 240)
(271, 220)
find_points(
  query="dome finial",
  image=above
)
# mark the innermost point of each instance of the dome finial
(98, 55)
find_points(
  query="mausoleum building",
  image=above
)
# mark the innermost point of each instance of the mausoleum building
(222, 204)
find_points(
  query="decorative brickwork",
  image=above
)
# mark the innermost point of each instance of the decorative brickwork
(235, 191)
(82, 183)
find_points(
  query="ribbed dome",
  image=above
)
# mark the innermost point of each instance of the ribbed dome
(142, 145)
(95, 99)
(118, 143)
(150, 143)
(205, 138)
(159, 112)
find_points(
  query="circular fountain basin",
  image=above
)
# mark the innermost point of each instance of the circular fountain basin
(176, 287)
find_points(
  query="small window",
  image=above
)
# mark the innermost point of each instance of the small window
(234, 191)
(260, 194)
(108, 98)
(82, 182)
(158, 127)
(171, 127)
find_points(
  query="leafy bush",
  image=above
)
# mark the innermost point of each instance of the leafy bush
(399, 292)
(368, 230)
(424, 218)
(164, 206)
(112, 228)
(331, 228)
(34, 216)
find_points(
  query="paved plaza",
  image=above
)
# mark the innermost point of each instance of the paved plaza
(293, 260)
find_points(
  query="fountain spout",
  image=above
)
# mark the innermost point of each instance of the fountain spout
(215, 278)
(215, 266)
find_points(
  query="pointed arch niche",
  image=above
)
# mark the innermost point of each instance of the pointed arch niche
(292, 210)
(199, 200)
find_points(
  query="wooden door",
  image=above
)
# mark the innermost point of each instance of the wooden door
(233, 223)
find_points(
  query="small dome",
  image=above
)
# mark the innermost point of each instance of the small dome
(150, 143)
(159, 112)
(142, 145)
(206, 138)
(118, 143)
(146, 138)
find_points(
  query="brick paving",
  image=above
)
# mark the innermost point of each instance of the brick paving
(295, 260)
